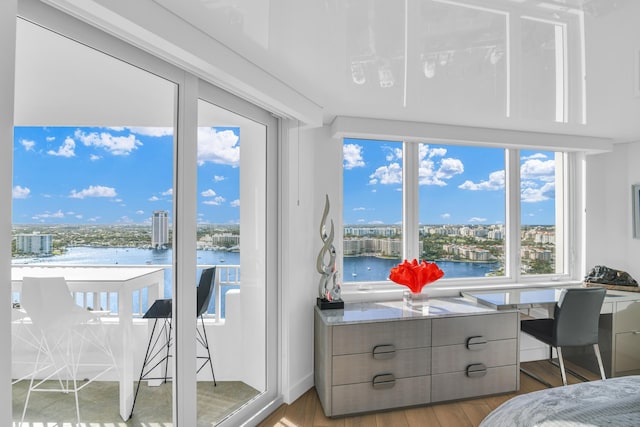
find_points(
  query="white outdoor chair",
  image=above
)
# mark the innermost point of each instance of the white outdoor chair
(65, 335)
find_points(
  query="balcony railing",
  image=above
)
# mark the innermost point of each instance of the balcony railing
(102, 295)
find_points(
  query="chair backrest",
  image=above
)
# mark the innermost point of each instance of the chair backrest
(206, 288)
(577, 314)
(49, 303)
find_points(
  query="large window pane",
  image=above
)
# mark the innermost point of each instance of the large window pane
(231, 181)
(541, 178)
(372, 209)
(93, 168)
(462, 209)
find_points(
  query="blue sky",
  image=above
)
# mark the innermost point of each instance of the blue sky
(71, 175)
(458, 185)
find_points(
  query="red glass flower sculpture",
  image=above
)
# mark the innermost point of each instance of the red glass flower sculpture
(415, 275)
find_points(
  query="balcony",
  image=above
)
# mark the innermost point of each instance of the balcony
(121, 294)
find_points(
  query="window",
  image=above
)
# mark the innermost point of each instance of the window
(372, 209)
(456, 210)
(541, 211)
(462, 209)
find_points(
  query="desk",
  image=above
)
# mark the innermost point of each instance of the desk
(619, 329)
(509, 299)
(121, 280)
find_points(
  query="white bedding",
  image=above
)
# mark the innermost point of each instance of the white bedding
(610, 402)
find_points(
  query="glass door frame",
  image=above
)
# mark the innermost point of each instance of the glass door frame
(220, 98)
(189, 90)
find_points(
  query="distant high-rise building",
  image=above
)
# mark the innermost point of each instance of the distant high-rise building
(39, 244)
(160, 229)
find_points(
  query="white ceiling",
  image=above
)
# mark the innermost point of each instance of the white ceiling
(433, 61)
(437, 61)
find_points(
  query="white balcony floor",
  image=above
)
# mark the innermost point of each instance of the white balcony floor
(99, 405)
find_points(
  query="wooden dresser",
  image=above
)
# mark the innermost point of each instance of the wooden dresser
(375, 356)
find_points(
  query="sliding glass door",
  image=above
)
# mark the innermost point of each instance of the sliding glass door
(235, 236)
(188, 182)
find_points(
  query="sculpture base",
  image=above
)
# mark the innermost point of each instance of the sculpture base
(325, 304)
(419, 301)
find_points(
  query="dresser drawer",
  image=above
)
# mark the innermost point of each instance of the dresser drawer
(627, 352)
(363, 337)
(626, 316)
(455, 358)
(458, 385)
(358, 368)
(363, 397)
(457, 330)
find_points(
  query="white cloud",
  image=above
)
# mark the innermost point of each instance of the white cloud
(536, 169)
(140, 212)
(116, 145)
(27, 144)
(477, 219)
(50, 138)
(218, 178)
(235, 203)
(94, 157)
(152, 131)
(445, 216)
(495, 182)
(19, 192)
(217, 201)
(449, 167)
(49, 215)
(67, 149)
(153, 199)
(394, 154)
(218, 147)
(535, 156)
(391, 174)
(352, 154)
(533, 195)
(169, 192)
(360, 209)
(208, 193)
(93, 191)
(434, 168)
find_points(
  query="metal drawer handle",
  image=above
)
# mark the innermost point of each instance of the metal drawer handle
(383, 381)
(382, 352)
(477, 343)
(476, 370)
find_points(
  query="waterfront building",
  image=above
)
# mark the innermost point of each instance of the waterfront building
(160, 229)
(39, 244)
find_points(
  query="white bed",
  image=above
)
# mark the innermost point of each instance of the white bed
(610, 402)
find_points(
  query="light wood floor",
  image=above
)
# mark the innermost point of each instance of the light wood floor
(307, 411)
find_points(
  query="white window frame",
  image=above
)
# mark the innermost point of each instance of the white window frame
(566, 208)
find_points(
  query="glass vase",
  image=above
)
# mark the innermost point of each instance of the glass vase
(415, 301)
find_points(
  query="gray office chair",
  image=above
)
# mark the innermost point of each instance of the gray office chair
(575, 323)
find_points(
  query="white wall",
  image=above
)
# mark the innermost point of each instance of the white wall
(309, 173)
(7, 67)
(609, 228)
(612, 44)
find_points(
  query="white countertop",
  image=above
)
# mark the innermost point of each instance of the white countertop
(384, 311)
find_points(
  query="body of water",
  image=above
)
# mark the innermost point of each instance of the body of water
(368, 268)
(356, 269)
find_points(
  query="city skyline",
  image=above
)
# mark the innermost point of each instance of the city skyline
(118, 175)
